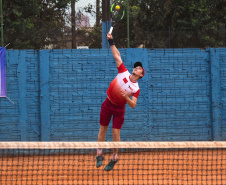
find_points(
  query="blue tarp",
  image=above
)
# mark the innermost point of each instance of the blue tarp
(2, 72)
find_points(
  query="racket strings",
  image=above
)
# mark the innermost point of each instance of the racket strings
(117, 15)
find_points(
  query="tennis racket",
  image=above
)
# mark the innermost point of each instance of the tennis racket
(117, 13)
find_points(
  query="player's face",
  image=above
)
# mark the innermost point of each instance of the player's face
(137, 71)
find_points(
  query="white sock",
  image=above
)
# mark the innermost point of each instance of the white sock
(99, 152)
(115, 157)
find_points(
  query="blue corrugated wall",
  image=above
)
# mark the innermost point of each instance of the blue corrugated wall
(58, 95)
(222, 105)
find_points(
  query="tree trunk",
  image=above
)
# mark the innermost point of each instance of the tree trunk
(73, 23)
(97, 13)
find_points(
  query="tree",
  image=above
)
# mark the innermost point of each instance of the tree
(74, 45)
(194, 23)
(97, 13)
(33, 24)
(92, 36)
(197, 23)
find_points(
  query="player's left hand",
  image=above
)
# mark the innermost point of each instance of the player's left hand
(124, 94)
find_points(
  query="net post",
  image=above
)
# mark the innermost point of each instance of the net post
(215, 94)
(224, 34)
(169, 37)
(44, 57)
(128, 41)
(22, 73)
(108, 21)
(104, 41)
(108, 31)
(106, 24)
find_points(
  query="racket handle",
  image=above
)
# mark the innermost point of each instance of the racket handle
(111, 29)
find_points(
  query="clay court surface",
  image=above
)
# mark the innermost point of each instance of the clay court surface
(152, 167)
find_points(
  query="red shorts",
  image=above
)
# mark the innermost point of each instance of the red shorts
(108, 109)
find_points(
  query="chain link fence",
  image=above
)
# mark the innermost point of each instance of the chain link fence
(89, 30)
(87, 26)
(81, 24)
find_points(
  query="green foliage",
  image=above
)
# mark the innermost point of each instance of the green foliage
(36, 24)
(193, 23)
(33, 24)
(91, 38)
(89, 9)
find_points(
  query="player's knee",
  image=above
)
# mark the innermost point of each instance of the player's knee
(102, 131)
(115, 133)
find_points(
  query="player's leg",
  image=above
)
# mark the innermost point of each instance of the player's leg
(118, 121)
(102, 133)
(114, 160)
(116, 138)
(101, 138)
(105, 118)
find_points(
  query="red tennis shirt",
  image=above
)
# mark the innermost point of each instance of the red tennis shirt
(122, 82)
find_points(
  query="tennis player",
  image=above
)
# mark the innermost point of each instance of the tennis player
(119, 92)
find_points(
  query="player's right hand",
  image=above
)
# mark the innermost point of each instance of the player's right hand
(109, 36)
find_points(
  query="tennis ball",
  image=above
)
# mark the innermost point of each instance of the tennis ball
(117, 7)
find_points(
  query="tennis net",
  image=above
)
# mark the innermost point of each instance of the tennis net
(139, 163)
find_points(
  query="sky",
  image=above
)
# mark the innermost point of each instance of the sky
(83, 3)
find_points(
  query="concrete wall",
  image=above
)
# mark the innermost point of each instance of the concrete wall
(58, 95)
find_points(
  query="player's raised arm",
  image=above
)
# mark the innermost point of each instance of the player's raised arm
(114, 50)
